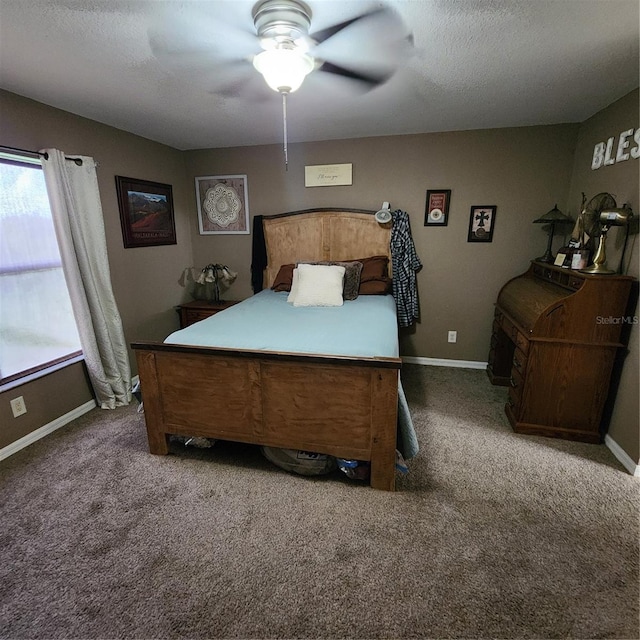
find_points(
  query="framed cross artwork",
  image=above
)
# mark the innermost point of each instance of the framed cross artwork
(481, 223)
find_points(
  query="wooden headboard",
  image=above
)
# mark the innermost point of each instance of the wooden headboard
(322, 234)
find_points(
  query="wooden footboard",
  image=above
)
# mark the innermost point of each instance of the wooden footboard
(341, 406)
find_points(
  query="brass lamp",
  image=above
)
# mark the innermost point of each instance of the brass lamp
(613, 217)
(552, 218)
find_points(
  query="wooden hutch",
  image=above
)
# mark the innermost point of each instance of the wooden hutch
(555, 337)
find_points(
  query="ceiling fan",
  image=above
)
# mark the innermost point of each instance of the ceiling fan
(290, 52)
(363, 50)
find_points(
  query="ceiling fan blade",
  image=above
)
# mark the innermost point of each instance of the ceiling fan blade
(201, 46)
(192, 38)
(325, 34)
(240, 80)
(370, 79)
(368, 48)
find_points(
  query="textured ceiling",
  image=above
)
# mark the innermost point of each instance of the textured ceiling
(475, 64)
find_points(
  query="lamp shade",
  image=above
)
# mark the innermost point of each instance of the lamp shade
(555, 215)
(284, 70)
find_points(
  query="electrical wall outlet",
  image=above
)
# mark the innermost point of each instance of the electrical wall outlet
(18, 406)
(453, 336)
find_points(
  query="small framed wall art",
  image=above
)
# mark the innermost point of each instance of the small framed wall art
(146, 212)
(481, 223)
(223, 204)
(328, 175)
(436, 213)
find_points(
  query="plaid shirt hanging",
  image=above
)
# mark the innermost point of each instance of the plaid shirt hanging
(405, 263)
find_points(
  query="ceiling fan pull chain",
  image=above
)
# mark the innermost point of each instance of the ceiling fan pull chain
(284, 128)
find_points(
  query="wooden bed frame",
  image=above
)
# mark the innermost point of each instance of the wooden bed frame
(338, 405)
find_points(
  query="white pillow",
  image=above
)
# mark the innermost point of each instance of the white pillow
(318, 286)
(294, 287)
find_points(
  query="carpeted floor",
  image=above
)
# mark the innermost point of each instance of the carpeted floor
(491, 535)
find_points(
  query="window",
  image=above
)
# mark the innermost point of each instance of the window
(37, 326)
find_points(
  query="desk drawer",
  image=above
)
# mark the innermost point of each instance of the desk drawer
(519, 339)
(519, 361)
(197, 310)
(194, 315)
(515, 387)
(515, 393)
(522, 342)
(507, 326)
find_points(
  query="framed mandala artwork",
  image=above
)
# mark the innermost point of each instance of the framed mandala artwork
(223, 205)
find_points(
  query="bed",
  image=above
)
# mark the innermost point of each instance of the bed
(306, 394)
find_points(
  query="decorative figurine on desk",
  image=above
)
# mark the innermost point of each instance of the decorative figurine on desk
(551, 218)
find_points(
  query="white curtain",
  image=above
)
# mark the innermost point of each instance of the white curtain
(77, 216)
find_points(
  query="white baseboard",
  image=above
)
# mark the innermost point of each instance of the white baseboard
(442, 362)
(622, 456)
(56, 424)
(32, 437)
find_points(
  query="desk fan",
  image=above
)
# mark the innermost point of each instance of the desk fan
(611, 217)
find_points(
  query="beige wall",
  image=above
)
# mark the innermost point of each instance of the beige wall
(621, 180)
(523, 171)
(144, 279)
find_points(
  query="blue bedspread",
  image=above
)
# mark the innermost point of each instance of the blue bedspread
(365, 327)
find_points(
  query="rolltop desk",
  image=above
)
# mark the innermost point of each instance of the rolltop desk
(555, 337)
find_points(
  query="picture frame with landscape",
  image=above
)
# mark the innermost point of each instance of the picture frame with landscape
(146, 212)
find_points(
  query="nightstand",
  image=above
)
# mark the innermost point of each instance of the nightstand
(197, 310)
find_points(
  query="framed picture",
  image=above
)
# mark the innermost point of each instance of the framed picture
(146, 212)
(223, 205)
(481, 223)
(328, 175)
(436, 213)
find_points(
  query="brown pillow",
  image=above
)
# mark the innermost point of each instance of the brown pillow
(374, 268)
(351, 282)
(378, 287)
(284, 278)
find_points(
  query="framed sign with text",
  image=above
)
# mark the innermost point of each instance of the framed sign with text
(436, 213)
(328, 175)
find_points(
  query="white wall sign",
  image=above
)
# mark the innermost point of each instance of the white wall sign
(327, 175)
(603, 152)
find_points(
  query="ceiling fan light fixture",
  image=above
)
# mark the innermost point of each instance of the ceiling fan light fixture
(284, 69)
(282, 18)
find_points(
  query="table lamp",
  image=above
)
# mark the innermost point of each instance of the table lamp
(552, 218)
